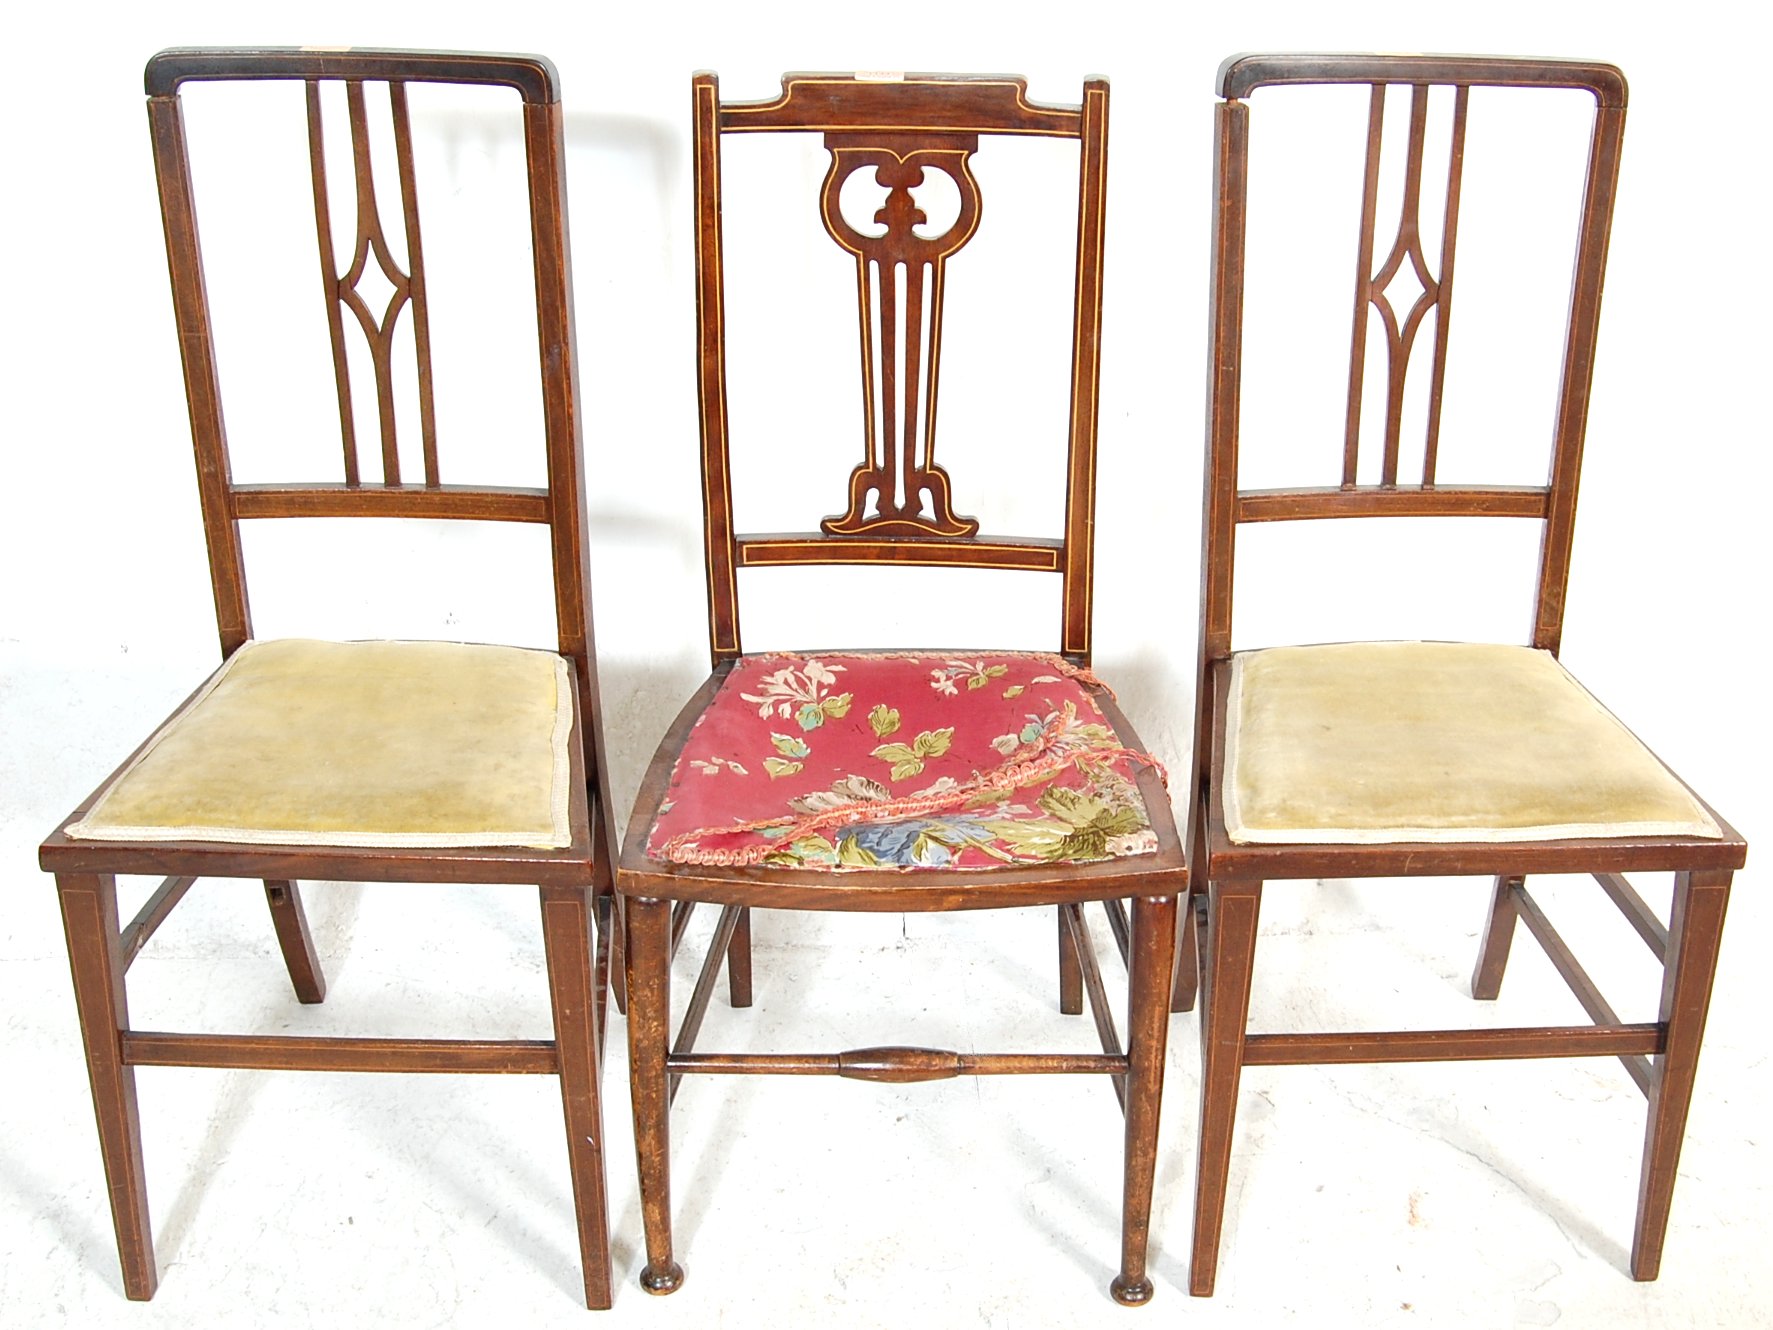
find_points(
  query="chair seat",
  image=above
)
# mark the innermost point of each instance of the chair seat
(1378, 742)
(899, 760)
(413, 744)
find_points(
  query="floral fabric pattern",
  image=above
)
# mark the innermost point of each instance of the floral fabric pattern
(903, 761)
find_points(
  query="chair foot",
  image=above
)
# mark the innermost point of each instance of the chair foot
(659, 1282)
(1130, 1293)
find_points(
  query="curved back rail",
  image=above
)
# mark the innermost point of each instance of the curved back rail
(899, 509)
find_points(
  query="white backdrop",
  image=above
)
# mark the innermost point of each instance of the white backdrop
(104, 575)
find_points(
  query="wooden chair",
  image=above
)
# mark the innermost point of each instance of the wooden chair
(1430, 759)
(436, 762)
(913, 781)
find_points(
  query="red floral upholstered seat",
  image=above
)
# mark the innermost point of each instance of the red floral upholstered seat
(896, 760)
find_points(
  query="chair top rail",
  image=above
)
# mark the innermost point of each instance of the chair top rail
(898, 102)
(1240, 75)
(533, 76)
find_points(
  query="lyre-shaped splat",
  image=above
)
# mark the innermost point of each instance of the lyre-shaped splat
(1371, 287)
(342, 291)
(899, 290)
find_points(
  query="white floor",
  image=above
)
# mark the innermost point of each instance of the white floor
(1497, 1194)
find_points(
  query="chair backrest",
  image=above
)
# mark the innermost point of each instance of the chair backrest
(1380, 260)
(899, 509)
(1553, 503)
(561, 504)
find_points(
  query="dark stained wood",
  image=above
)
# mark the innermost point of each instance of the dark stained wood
(1240, 75)
(153, 1048)
(1498, 939)
(915, 103)
(897, 512)
(1659, 1055)
(458, 502)
(738, 962)
(703, 992)
(575, 881)
(1294, 505)
(1550, 1041)
(1636, 911)
(295, 941)
(89, 916)
(154, 912)
(1696, 929)
(1570, 969)
(883, 1064)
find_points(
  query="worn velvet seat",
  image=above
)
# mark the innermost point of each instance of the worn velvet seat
(1376, 742)
(417, 744)
(380, 761)
(923, 779)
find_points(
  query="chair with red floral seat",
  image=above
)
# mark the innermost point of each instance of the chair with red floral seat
(921, 780)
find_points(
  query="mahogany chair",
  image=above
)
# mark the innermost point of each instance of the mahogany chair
(1404, 759)
(436, 761)
(921, 780)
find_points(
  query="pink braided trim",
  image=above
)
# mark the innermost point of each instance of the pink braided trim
(678, 851)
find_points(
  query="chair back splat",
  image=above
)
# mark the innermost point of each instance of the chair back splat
(898, 508)
(362, 761)
(1419, 759)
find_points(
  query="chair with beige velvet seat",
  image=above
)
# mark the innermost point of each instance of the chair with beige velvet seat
(1406, 759)
(391, 761)
(922, 779)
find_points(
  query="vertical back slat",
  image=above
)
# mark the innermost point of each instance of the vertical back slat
(1578, 374)
(717, 497)
(1444, 306)
(329, 280)
(203, 397)
(1080, 488)
(415, 262)
(1407, 245)
(370, 240)
(1357, 361)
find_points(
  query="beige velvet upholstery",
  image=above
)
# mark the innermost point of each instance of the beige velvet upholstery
(1371, 742)
(417, 744)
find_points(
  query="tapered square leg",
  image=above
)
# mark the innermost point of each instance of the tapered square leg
(1232, 912)
(291, 923)
(89, 916)
(738, 961)
(1151, 968)
(1070, 969)
(567, 939)
(1696, 928)
(1486, 977)
(649, 1019)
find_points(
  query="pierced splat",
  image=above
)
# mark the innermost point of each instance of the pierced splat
(898, 489)
(1371, 287)
(344, 290)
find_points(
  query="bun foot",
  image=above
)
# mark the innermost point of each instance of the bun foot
(659, 1282)
(1135, 1293)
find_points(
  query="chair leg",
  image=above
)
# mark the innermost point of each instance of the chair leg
(1696, 928)
(1070, 970)
(1185, 982)
(1232, 912)
(1486, 978)
(89, 915)
(571, 949)
(649, 1033)
(291, 923)
(1148, 1022)
(738, 961)
(618, 948)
